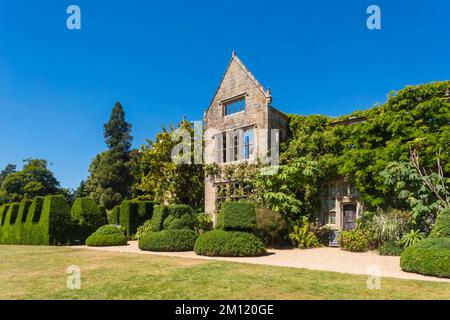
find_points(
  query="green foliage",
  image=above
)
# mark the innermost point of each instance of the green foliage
(271, 227)
(412, 237)
(390, 248)
(103, 213)
(129, 217)
(362, 151)
(110, 177)
(229, 244)
(429, 257)
(203, 223)
(143, 229)
(441, 228)
(87, 216)
(323, 234)
(114, 217)
(354, 240)
(35, 179)
(105, 236)
(178, 210)
(160, 213)
(302, 236)
(159, 178)
(145, 211)
(239, 216)
(46, 221)
(388, 226)
(168, 240)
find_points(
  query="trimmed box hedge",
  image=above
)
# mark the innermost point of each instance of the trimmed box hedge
(87, 218)
(239, 216)
(168, 240)
(429, 257)
(47, 222)
(114, 217)
(222, 243)
(107, 236)
(160, 213)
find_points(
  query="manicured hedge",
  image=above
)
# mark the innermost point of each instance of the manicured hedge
(229, 244)
(45, 222)
(114, 217)
(160, 213)
(239, 216)
(168, 240)
(134, 213)
(145, 211)
(441, 228)
(428, 257)
(179, 210)
(103, 213)
(88, 216)
(106, 236)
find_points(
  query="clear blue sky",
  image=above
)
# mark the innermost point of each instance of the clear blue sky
(164, 59)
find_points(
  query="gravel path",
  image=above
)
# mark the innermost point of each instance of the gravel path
(327, 259)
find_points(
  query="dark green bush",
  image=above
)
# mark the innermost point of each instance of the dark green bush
(239, 216)
(114, 216)
(428, 257)
(103, 213)
(160, 213)
(271, 227)
(390, 248)
(168, 240)
(145, 211)
(106, 236)
(229, 244)
(354, 240)
(88, 216)
(185, 222)
(441, 228)
(129, 217)
(178, 210)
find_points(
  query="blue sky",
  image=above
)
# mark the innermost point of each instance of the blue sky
(164, 59)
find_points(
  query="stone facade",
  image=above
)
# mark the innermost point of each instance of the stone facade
(238, 84)
(339, 202)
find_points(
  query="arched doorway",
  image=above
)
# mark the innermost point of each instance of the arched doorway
(349, 217)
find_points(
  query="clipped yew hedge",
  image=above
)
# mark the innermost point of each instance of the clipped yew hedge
(430, 257)
(107, 236)
(168, 240)
(87, 217)
(222, 243)
(114, 217)
(44, 221)
(239, 216)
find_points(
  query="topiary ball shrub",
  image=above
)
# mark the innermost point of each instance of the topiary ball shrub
(107, 236)
(441, 228)
(168, 240)
(238, 216)
(222, 243)
(354, 240)
(429, 257)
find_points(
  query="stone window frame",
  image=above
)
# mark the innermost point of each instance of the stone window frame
(228, 101)
(237, 147)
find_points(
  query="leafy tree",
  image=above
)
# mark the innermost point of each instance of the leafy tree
(35, 179)
(10, 168)
(110, 177)
(165, 181)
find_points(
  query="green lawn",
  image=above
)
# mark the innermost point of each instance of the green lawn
(40, 273)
